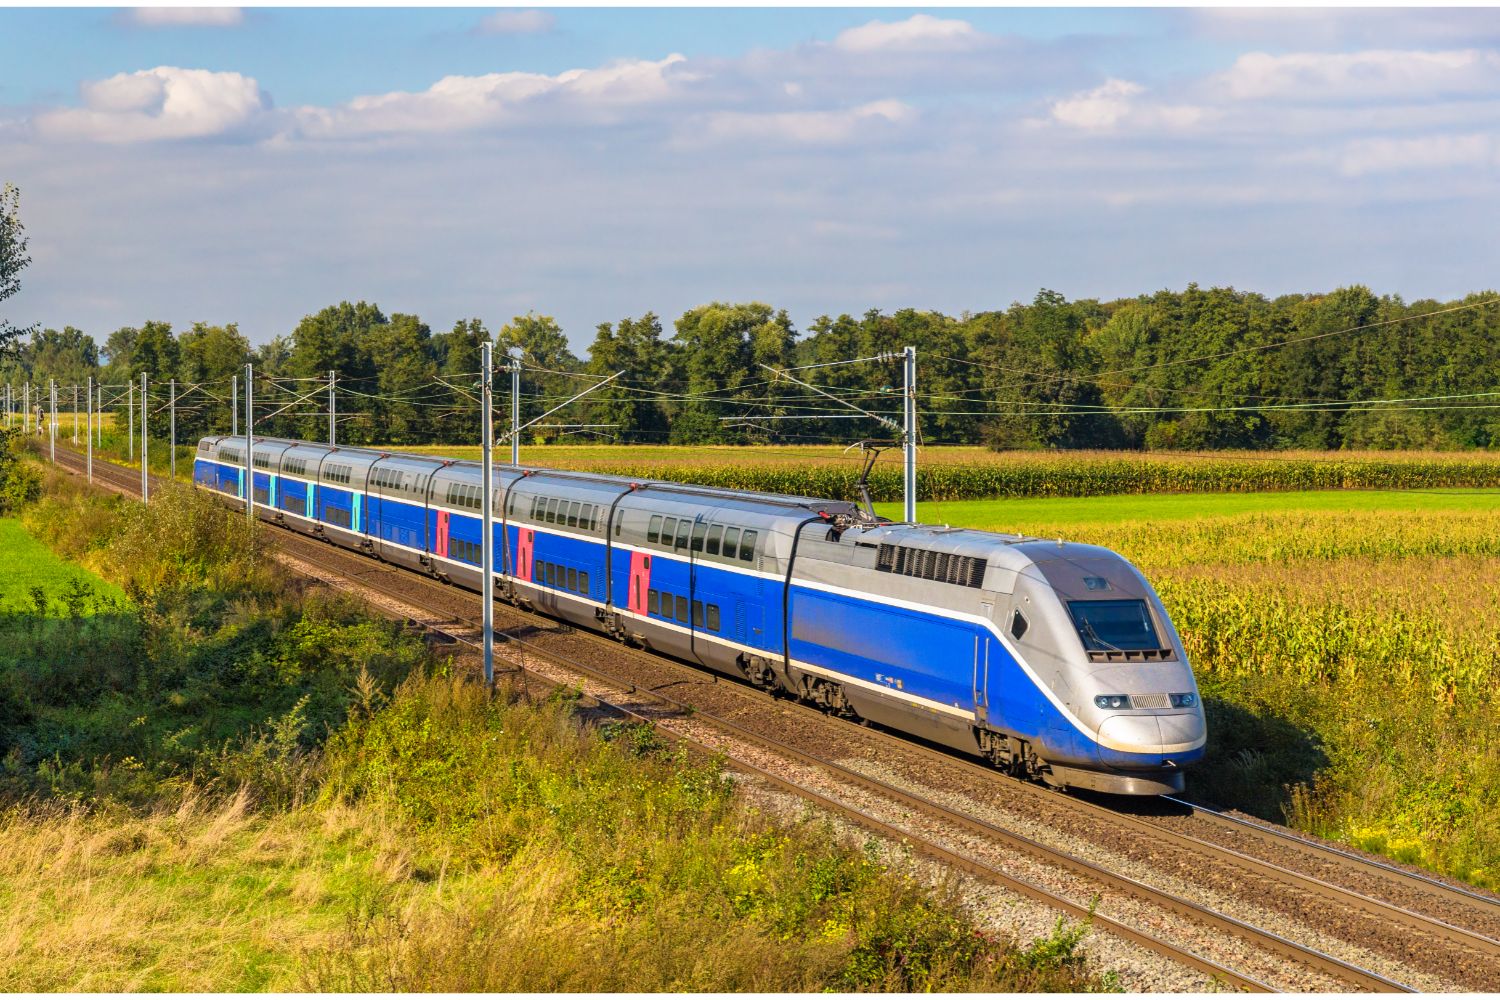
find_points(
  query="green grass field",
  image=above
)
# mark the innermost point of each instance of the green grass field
(26, 563)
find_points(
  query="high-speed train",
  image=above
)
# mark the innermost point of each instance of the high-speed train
(1051, 659)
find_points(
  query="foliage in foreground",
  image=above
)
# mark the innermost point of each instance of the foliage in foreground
(580, 863)
(221, 783)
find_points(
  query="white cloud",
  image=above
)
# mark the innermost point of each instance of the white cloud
(174, 17)
(465, 102)
(1334, 28)
(918, 33)
(517, 22)
(162, 103)
(1375, 73)
(1100, 108)
(801, 127)
(1434, 152)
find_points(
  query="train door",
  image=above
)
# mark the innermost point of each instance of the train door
(524, 545)
(440, 539)
(640, 582)
(982, 677)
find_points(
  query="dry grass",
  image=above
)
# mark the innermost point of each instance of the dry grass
(208, 896)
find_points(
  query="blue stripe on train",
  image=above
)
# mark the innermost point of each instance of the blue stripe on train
(931, 655)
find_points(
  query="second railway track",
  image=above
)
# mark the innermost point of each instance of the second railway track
(1344, 921)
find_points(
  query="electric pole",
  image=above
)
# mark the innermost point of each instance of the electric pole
(75, 414)
(487, 537)
(332, 434)
(172, 433)
(130, 413)
(515, 405)
(52, 429)
(234, 406)
(88, 429)
(909, 441)
(145, 438)
(249, 443)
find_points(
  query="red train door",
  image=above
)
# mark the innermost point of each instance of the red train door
(640, 581)
(524, 538)
(440, 545)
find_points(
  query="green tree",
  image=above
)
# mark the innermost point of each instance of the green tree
(456, 354)
(546, 381)
(719, 344)
(402, 411)
(14, 257)
(210, 356)
(631, 402)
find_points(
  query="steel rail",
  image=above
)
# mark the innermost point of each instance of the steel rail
(1344, 859)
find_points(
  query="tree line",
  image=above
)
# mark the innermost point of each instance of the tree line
(1191, 369)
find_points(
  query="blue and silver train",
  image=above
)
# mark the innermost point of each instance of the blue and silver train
(1053, 660)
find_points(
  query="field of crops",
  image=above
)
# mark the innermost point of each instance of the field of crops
(960, 473)
(1349, 657)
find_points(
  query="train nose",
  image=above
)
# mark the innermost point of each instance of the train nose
(1154, 734)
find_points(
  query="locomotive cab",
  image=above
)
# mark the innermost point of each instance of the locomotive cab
(1125, 710)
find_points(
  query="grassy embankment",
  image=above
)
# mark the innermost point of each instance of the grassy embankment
(214, 782)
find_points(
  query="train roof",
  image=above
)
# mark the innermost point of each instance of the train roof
(749, 498)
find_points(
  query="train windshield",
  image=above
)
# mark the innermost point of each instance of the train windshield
(1118, 625)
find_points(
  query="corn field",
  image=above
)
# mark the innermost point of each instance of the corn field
(961, 473)
(1350, 663)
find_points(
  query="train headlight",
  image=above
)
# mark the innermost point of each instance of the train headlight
(1112, 700)
(1184, 700)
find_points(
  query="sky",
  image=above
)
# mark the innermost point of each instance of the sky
(254, 165)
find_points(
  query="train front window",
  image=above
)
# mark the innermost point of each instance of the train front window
(1114, 625)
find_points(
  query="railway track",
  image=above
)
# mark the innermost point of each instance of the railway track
(1452, 943)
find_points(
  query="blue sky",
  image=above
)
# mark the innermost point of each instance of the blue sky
(254, 165)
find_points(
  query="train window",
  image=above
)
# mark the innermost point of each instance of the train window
(697, 614)
(619, 524)
(714, 533)
(653, 531)
(713, 618)
(682, 609)
(1018, 624)
(668, 529)
(698, 531)
(731, 542)
(536, 571)
(572, 578)
(573, 513)
(683, 527)
(536, 508)
(747, 546)
(583, 581)
(1114, 625)
(551, 516)
(653, 602)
